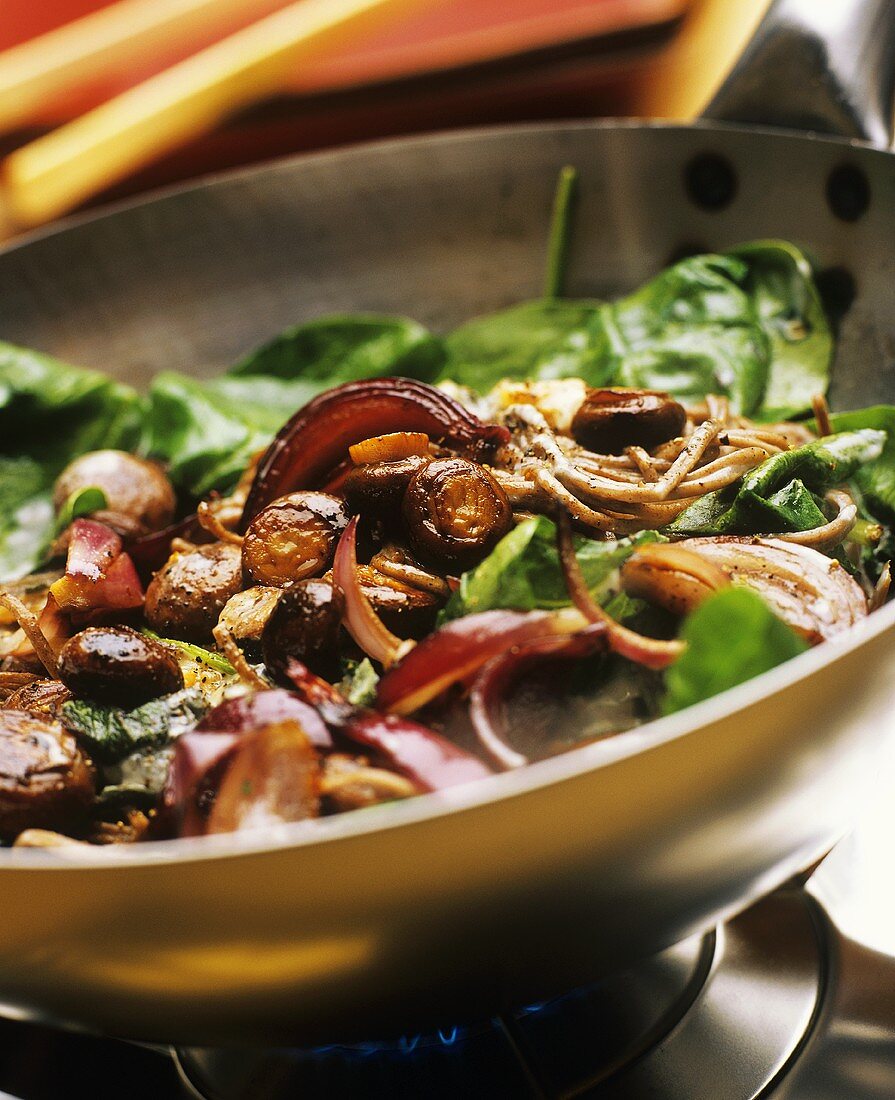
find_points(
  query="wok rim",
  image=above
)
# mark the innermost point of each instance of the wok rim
(385, 145)
(501, 786)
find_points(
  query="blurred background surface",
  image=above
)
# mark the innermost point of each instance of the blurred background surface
(82, 82)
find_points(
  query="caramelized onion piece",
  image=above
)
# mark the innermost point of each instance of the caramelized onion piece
(609, 420)
(361, 621)
(808, 590)
(388, 448)
(98, 576)
(672, 576)
(455, 513)
(261, 708)
(270, 777)
(318, 436)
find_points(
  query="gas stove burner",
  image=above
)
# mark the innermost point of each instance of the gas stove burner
(732, 1015)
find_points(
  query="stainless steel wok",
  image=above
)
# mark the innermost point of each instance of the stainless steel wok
(452, 906)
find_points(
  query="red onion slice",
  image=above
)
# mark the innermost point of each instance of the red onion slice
(195, 757)
(98, 576)
(318, 436)
(262, 708)
(426, 759)
(651, 652)
(361, 621)
(409, 748)
(489, 692)
(457, 651)
(92, 547)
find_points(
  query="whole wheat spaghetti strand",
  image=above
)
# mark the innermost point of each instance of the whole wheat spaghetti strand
(828, 533)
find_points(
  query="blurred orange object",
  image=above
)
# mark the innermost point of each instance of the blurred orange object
(449, 63)
(441, 35)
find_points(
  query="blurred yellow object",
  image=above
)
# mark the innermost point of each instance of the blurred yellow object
(114, 38)
(56, 172)
(685, 76)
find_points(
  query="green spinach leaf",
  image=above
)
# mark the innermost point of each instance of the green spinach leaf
(787, 306)
(777, 494)
(754, 641)
(208, 431)
(346, 348)
(110, 733)
(875, 479)
(543, 339)
(523, 571)
(748, 324)
(50, 412)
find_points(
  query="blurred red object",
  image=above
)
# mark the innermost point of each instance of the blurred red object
(451, 63)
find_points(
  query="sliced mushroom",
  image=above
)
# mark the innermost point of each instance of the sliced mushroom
(293, 538)
(45, 781)
(456, 513)
(808, 590)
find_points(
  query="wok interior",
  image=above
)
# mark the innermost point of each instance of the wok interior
(441, 230)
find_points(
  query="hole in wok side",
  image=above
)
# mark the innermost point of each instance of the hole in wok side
(848, 192)
(710, 181)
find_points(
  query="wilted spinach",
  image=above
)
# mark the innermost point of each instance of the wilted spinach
(754, 641)
(747, 324)
(49, 413)
(110, 733)
(523, 571)
(207, 431)
(778, 494)
(559, 338)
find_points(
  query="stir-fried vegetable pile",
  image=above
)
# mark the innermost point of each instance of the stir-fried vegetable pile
(457, 555)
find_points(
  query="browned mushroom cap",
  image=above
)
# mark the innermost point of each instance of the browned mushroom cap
(135, 488)
(808, 590)
(610, 420)
(271, 776)
(186, 596)
(115, 664)
(45, 781)
(455, 513)
(293, 538)
(376, 490)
